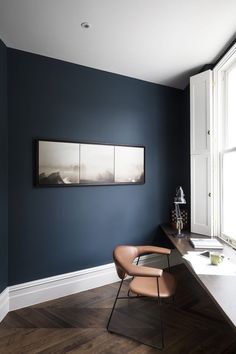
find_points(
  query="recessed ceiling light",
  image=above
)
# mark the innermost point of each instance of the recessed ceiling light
(85, 25)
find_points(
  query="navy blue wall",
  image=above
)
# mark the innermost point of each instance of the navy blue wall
(57, 230)
(3, 166)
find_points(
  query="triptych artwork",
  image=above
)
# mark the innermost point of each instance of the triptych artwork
(62, 163)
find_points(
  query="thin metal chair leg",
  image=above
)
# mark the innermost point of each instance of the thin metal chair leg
(161, 325)
(160, 314)
(114, 304)
(168, 260)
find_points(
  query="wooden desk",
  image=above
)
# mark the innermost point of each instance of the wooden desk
(221, 288)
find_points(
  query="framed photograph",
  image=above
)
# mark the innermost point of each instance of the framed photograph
(97, 163)
(129, 164)
(62, 163)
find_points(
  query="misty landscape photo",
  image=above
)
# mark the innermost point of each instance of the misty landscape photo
(64, 163)
(129, 164)
(97, 163)
(58, 163)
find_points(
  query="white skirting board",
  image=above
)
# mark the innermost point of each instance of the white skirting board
(37, 291)
(4, 304)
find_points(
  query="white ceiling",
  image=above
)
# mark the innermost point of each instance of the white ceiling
(161, 41)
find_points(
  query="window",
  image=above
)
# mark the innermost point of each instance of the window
(227, 150)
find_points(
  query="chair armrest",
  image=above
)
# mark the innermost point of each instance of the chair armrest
(153, 249)
(141, 271)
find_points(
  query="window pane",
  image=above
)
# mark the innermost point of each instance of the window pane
(231, 131)
(229, 194)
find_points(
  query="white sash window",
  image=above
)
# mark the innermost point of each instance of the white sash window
(213, 150)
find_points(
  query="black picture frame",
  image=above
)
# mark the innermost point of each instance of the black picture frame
(61, 163)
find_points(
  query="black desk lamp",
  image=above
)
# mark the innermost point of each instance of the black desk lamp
(179, 199)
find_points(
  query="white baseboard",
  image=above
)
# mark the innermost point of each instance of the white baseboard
(34, 292)
(37, 291)
(4, 304)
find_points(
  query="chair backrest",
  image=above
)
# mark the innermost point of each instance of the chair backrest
(124, 256)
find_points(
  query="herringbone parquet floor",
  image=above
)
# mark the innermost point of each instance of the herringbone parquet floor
(77, 324)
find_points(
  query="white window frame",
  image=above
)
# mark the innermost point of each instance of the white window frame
(219, 121)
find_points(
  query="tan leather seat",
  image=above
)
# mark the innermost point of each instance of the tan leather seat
(147, 281)
(148, 286)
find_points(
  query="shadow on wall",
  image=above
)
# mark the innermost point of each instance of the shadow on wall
(158, 238)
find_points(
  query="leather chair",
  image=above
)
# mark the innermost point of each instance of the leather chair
(146, 281)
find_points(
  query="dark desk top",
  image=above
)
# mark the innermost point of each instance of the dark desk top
(221, 288)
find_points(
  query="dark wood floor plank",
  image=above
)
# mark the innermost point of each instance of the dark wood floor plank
(106, 343)
(38, 340)
(217, 343)
(74, 338)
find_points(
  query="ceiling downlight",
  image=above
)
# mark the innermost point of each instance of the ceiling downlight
(85, 25)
